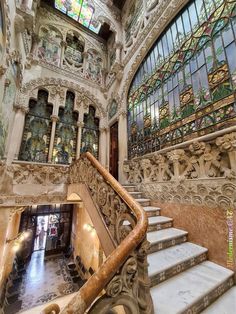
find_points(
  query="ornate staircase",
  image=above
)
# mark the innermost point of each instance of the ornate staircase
(182, 279)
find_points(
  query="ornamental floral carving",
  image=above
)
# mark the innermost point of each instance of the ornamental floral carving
(55, 85)
(114, 210)
(178, 175)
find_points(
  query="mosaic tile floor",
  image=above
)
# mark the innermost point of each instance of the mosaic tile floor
(45, 280)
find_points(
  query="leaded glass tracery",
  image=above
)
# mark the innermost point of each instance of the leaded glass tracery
(90, 133)
(37, 130)
(185, 86)
(66, 133)
(80, 10)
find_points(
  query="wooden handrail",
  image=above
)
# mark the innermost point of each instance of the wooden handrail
(95, 284)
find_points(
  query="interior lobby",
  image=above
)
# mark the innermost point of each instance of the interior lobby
(117, 156)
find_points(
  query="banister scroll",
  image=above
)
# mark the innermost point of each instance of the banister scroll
(122, 280)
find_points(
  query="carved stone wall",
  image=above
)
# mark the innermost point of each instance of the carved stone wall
(24, 184)
(202, 173)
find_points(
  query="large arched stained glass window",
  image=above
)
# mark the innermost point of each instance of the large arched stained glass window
(185, 86)
(90, 133)
(37, 130)
(80, 10)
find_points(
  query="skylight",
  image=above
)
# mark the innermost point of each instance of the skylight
(80, 10)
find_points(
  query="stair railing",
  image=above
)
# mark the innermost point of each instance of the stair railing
(122, 280)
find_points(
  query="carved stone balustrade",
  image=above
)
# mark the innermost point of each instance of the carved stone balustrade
(203, 172)
(123, 278)
(25, 183)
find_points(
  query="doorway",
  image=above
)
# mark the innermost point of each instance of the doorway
(114, 150)
(51, 227)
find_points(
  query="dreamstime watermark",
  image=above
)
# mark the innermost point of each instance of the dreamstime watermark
(230, 224)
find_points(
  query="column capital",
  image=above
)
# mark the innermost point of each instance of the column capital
(54, 118)
(63, 43)
(103, 129)
(123, 113)
(22, 108)
(118, 45)
(80, 124)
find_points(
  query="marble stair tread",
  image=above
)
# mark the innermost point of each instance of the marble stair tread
(180, 292)
(168, 258)
(151, 208)
(165, 234)
(159, 220)
(136, 194)
(142, 200)
(226, 304)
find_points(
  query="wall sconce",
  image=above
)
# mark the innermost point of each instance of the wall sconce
(90, 229)
(18, 240)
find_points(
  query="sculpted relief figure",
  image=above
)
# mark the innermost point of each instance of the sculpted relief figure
(49, 48)
(73, 56)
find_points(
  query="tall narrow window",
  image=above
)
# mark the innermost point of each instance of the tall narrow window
(37, 130)
(66, 133)
(90, 133)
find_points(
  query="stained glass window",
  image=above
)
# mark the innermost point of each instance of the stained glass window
(66, 133)
(90, 133)
(80, 10)
(37, 130)
(185, 86)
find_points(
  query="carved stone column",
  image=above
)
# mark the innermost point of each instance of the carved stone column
(80, 125)
(12, 232)
(63, 47)
(103, 146)
(54, 119)
(123, 139)
(35, 41)
(85, 61)
(118, 47)
(4, 220)
(104, 76)
(17, 132)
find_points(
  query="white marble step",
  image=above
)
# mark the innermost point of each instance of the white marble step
(151, 208)
(175, 255)
(226, 304)
(159, 220)
(136, 195)
(143, 201)
(130, 188)
(164, 235)
(180, 292)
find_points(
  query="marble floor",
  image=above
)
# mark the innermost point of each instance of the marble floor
(45, 279)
